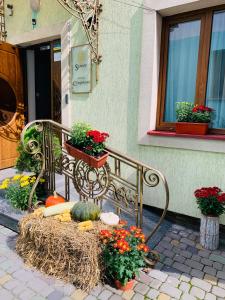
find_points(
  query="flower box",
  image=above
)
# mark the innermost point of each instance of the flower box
(94, 162)
(192, 128)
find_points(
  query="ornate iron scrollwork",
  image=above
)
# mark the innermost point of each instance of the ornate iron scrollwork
(3, 32)
(88, 12)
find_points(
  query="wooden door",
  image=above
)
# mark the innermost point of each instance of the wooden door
(11, 104)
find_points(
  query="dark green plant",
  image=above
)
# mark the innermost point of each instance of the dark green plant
(211, 201)
(79, 134)
(188, 112)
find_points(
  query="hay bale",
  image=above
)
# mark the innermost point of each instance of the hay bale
(59, 249)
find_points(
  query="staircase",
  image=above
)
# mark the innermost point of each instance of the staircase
(2, 22)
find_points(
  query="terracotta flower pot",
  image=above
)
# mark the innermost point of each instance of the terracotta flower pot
(126, 287)
(94, 162)
(192, 128)
(209, 232)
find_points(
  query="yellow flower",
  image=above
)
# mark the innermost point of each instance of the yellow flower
(42, 180)
(3, 186)
(24, 178)
(24, 183)
(16, 177)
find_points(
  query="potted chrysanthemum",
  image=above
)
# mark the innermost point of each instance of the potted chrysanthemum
(192, 119)
(211, 202)
(88, 145)
(124, 253)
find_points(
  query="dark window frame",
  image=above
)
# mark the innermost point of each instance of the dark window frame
(206, 17)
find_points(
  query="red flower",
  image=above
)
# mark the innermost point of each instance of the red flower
(221, 198)
(97, 136)
(201, 108)
(105, 233)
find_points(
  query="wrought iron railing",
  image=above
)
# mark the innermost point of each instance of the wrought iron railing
(2, 22)
(121, 180)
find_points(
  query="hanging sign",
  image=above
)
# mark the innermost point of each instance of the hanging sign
(81, 69)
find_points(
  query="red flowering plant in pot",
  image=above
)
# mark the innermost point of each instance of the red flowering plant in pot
(211, 202)
(88, 145)
(192, 119)
(124, 253)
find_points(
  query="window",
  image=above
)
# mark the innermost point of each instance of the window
(192, 65)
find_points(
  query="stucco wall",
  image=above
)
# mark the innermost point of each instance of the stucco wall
(114, 105)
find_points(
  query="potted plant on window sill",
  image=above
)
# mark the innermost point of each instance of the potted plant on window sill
(87, 145)
(124, 253)
(211, 202)
(192, 119)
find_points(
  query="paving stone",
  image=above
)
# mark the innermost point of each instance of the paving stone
(127, 295)
(187, 297)
(163, 297)
(167, 239)
(89, 297)
(116, 297)
(197, 273)
(211, 279)
(27, 295)
(155, 284)
(153, 294)
(55, 295)
(177, 228)
(206, 261)
(196, 257)
(4, 279)
(204, 253)
(185, 287)
(141, 288)
(5, 295)
(217, 258)
(11, 284)
(187, 242)
(185, 277)
(159, 266)
(158, 275)
(210, 296)
(184, 234)
(218, 266)
(194, 264)
(221, 283)
(166, 245)
(171, 271)
(193, 237)
(168, 261)
(173, 281)
(186, 253)
(105, 294)
(220, 275)
(22, 275)
(179, 258)
(175, 243)
(201, 284)
(173, 236)
(144, 278)
(218, 291)
(210, 270)
(96, 290)
(169, 253)
(170, 290)
(197, 292)
(113, 290)
(138, 297)
(193, 250)
(183, 246)
(181, 267)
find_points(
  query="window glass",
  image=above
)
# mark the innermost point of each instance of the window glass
(215, 95)
(182, 65)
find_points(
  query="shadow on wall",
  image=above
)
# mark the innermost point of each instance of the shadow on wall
(134, 82)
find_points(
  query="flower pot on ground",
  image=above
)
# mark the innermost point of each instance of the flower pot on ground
(211, 202)
(88, 145)
(192, 119)
(124, 253)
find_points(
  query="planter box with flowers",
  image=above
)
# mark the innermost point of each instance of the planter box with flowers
(211, 202)
(192, 119)
(88, 145)
(124, 253)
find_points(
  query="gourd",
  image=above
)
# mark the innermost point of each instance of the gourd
(58, 209)
(84, 211)
(85, 226)
(54, 199)
(109, 218)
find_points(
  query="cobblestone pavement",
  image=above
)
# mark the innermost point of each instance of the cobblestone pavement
(186, 272)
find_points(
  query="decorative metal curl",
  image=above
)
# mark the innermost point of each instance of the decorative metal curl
(88, 12)
(151, 178)
(89, 182)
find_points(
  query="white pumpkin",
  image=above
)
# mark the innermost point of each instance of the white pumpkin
(35, 5)
(109, 218)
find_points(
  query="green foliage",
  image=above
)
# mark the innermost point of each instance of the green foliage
(188, 112)
(25, 161)
(19, 196)
(79, 134)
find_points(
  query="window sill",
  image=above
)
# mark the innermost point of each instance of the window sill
(174, 134)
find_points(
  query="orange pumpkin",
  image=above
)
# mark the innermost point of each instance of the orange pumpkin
(53, 200)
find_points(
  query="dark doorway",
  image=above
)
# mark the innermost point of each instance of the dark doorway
(43, 82)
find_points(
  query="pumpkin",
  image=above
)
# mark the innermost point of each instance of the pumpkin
(53, 200)
(84, 211)
(109, 218)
